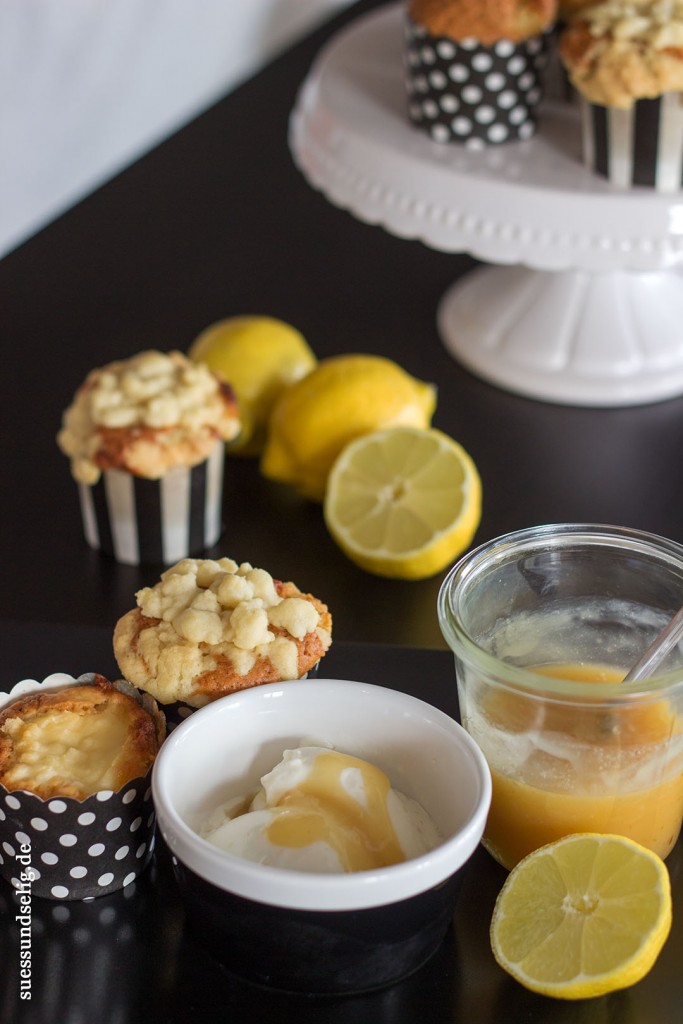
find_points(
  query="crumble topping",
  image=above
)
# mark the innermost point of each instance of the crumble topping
(204, 614)
(146, 414)
(658, 24)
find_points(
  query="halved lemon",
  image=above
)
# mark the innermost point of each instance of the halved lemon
(403, 502)
(583, 916)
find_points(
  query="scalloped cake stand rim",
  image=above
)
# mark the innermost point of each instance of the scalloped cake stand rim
(529, 207)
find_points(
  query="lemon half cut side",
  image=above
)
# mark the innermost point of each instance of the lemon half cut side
(403, 502)
(583, 916)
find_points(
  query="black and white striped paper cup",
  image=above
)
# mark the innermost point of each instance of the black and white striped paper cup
(470, 93)
(155, 521)
(640, 146)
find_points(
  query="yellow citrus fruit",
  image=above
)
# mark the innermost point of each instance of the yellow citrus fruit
(342, 398)
(259, 357)
(583, 916)
(403, 502)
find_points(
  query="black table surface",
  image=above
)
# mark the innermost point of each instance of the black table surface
(215, 222)
(128, 958)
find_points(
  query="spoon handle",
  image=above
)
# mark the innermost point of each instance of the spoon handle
(658, 649)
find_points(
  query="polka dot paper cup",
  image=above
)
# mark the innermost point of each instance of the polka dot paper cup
(67, 849)
(474, 94)
(176, 713)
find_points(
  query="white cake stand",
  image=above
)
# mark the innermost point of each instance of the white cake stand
(585, 305)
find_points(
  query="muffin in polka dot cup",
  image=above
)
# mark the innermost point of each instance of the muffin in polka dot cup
(474, 68)
(76, 814)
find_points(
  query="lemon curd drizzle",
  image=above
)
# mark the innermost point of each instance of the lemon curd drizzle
(342, 802)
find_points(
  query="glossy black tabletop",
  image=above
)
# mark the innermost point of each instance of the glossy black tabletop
(217, 221)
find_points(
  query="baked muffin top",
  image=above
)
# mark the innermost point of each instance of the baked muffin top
(77, 740)
(147, 415)
(567, 9)
(488, 21)
(210, 627)
(618, 52)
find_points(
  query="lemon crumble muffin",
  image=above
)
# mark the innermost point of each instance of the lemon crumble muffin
(625, 59)
(146, 437)
(620, 51)
(474, 67)
(75, 759)
(146, 415)
(210, 627)
(76, 741)
(485, 20)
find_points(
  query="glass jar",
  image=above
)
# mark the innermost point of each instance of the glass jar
(544, 624)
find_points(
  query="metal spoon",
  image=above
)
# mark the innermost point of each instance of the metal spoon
(658, 650)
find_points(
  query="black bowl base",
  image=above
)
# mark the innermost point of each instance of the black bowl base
(317, 952)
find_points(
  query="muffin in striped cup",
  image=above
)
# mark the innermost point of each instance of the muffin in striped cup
(625, 60)
(146, 438)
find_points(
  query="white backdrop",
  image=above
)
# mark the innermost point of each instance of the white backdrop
(87, 86)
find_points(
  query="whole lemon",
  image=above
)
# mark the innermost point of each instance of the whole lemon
(259, 356)
(342, 398)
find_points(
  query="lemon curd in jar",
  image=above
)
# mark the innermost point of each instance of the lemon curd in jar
(559, 766)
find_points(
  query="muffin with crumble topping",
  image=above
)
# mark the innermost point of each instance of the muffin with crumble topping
(474, 67)
(145, 437)
(210, 627)
(75, 756)
(625, 59)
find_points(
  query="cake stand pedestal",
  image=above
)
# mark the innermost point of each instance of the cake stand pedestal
(584, 302)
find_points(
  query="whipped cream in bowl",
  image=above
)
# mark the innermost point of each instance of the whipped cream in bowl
(324, 811)
(318, 830)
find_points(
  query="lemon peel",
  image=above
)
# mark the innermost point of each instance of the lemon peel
(259, 356)
(344, 397)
